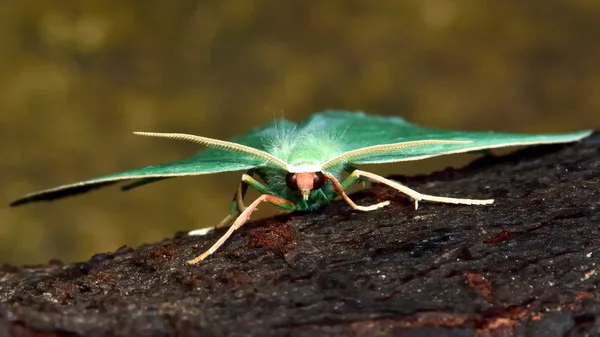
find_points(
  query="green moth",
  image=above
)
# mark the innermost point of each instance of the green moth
(305, 165)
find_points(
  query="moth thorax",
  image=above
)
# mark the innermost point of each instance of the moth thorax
(305, 182)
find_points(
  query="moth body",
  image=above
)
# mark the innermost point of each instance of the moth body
(281, 184)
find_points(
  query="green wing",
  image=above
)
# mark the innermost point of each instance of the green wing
(361, 130)
(354, 130)
(207, 161)
(204, 162)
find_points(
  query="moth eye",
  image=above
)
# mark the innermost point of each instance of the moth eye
(292, 183)
(318, 180)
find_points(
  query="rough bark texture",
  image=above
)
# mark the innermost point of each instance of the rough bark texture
(526, 266)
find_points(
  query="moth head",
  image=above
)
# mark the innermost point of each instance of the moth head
(305, 182)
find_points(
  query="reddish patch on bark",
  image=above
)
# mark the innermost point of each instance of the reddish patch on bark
(501, 237)
(65, 292)
(480, 284)
(275, 238)
(497, 327)
(438, 319)
(19, 328)
(234, 278)
(161, 252)
(583, 296)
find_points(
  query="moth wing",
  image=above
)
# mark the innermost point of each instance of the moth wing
(361, 130)
(358, 130)
(208, 161)
(479, 141)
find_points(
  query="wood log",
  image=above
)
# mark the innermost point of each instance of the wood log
(528, 265)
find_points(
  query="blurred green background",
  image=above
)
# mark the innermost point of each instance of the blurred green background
(77, 77)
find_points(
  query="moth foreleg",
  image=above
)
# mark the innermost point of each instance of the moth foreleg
(340, 189)
(242, 219)
(237, 204)
(420, 196)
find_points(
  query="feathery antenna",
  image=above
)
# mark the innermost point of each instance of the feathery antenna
(382, 149)
(221, 145)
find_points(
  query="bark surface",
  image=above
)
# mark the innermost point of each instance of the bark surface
(528, 265)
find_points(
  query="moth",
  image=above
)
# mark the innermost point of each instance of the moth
(305, 165)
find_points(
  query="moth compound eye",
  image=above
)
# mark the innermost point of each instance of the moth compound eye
(318, 180)
(292, 183)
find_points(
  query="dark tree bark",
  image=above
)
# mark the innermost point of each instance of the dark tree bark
(528, 265)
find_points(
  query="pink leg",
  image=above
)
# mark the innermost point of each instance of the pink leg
(337, 186)
(241, 220)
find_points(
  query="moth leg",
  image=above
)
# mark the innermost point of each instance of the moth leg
(242, 219)
(237, 204)
(419, 196)
(340, 187)
(363, 181)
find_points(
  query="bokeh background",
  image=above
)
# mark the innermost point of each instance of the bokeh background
(77, 77)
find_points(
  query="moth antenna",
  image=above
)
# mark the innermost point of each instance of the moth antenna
(221, 145)
(384, 148)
